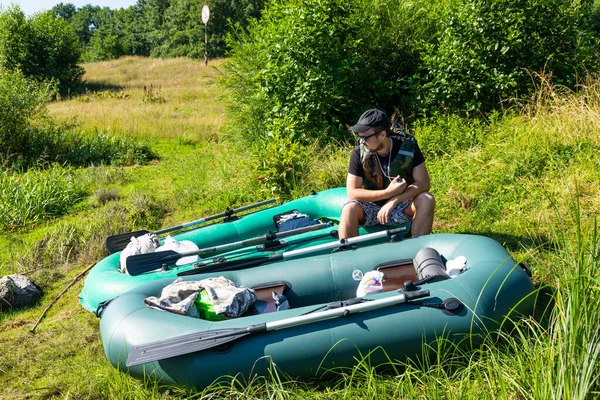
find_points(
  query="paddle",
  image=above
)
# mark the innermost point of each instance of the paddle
(256, 261)
(119, 242)
(140, 263)
(194, 342)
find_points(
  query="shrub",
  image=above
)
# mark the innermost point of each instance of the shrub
(146, 210)
(311, 66)
(447, 134)
(20, 101)
(42, 47)
(490, 47)
(282, 163)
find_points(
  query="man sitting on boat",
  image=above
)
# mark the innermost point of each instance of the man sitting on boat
(387, 181)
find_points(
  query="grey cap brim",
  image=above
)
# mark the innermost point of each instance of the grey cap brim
(359, 128)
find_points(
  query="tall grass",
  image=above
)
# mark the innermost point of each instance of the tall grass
(36, 196)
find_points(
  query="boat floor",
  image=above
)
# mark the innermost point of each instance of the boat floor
(395, 274)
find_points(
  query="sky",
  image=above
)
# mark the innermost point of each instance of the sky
(30, 7)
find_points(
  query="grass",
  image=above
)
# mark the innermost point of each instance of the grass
(527, 178)
(27, 198)
(191, 111)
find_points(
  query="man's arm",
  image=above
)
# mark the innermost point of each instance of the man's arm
(357, 192)
(420, 185)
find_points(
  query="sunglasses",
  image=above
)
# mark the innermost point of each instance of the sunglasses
(364, 138)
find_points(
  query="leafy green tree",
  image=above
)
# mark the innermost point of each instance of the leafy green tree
(65, 11)
(182, 31)
(43, 47)
(490, 48)
(107, 35)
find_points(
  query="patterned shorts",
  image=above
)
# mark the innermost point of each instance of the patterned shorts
(396, 217)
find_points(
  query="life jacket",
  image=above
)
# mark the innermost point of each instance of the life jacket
(402, 164)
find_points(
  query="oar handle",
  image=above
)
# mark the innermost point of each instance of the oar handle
(226, 213)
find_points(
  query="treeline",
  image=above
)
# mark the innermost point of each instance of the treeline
(155, 28)
(302, 69)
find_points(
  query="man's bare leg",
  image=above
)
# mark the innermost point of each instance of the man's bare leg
(421, 210)
(352, 216)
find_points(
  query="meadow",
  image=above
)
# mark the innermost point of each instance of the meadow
(527, 177)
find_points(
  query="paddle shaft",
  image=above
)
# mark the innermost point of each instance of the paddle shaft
(343, 311)
(140, 263)
(226, 213)
(254, 262)
(119, 242)
(194, 342)
(257, 240)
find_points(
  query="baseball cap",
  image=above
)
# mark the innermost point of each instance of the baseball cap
(372, 118)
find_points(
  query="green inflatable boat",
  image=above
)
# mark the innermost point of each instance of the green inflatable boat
(451, 286)
(234, 237)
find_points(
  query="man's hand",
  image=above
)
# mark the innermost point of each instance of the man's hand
(397, 186)
(384, 213)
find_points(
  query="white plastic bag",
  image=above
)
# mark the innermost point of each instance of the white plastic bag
(184, 246)
(370, 283)
(456, 266)
(147, 243)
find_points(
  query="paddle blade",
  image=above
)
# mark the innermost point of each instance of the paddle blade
(140, 263)
(184, 344)
(119, 242)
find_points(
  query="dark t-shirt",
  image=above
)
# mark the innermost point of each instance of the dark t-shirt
(355, 168)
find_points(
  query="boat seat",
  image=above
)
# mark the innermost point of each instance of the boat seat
(265, 303)
(395, 273)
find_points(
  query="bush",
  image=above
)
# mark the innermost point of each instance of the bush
(21, 100)
(311, 66)
(447, 134)
(282, 164)
(490, 48)
(42, 47)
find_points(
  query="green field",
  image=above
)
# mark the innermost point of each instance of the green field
(528, 178)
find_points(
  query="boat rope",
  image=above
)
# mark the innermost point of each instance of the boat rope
(101, 306)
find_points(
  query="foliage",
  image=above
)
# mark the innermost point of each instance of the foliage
(42, 47)
(282, 164)
(311, 66)
(36, 195)
(448, 134)
(490, 48)
(21, 100)
(50, 144)
(25, 144)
